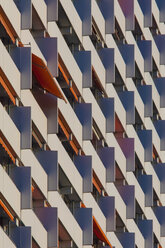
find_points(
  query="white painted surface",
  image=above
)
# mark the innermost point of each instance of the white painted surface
(37, 172)
(36, 113)
(66, 164)
(9, 130)
(66, 217)
(10, 70)
(39, 233)
(5, 240)
(10, 191)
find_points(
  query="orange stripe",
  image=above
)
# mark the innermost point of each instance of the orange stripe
(7, 29)
(63, 73)
(32, 188)
(96, 185)
(7, 150)
(67, 81)
(74, 147)
(47, 204)
(20, 44)
(67, 136)
(63, 129)
(6, 210)
(35, 136)
(74, 94)
(83, 205)
(7, 90)
(7, 25)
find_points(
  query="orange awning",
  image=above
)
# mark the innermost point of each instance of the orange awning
(96, 185)
(7, 25)
(67, 81)
(67, 134)
(45, 78)
(8, 88)
(6, 210)
(7, 149)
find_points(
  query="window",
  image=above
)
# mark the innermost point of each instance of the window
(118, 35)
(67, 192)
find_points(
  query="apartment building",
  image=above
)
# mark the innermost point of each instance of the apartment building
(82, 123)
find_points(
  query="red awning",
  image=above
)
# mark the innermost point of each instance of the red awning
(45, 78)
(99, 233)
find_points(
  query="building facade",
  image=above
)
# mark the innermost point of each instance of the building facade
(82, 123)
